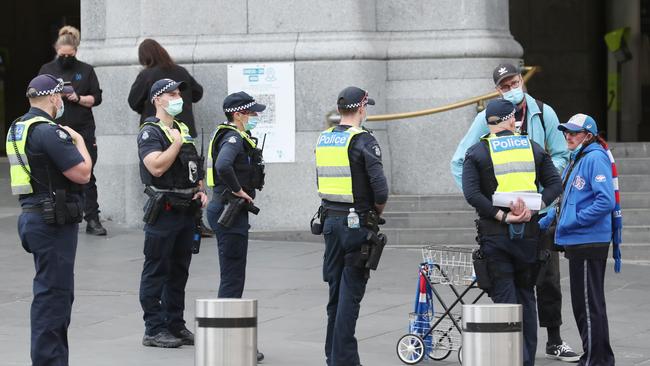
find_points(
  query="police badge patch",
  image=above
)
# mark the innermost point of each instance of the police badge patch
(145, 135)
(232, 140)
(62, 134)
(377, 150)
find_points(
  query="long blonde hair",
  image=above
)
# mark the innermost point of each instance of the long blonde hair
(68, 36)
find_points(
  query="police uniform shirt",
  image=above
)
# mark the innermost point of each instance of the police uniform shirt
(369, 185)
(230, 154)
(480, 183)
(52, 141)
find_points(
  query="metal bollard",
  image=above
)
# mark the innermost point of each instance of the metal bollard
(492, 335)
(226, 332)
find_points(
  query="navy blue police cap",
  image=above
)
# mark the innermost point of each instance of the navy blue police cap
(499, 110)
(241, 101)
(353, 97)
(165, 86)
(504, 71)
(46, 84)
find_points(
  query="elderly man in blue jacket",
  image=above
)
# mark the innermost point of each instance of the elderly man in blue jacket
(539, 121)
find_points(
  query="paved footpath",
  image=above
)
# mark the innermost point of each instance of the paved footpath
(107, 324)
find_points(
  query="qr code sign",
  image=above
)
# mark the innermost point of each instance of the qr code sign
(268, 116)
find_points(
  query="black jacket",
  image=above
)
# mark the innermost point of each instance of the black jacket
(139, 94)
(479, 182)
(84, 81)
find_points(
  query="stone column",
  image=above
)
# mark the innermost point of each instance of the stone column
(408, 54)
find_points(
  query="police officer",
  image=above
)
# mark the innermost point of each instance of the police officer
(539, 121)
(49, 163)
(350, 176)
(504, 161)
(235, 169)
(171, 170)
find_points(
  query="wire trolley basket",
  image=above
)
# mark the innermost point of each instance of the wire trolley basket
(449, 265)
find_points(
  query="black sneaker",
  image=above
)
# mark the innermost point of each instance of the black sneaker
(260, 357)
(163, 339)
(562, 352)
(94, 227)
(185, 335)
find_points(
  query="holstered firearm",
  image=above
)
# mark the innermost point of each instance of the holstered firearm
(153, 206)
(233, 206)
(375, 242)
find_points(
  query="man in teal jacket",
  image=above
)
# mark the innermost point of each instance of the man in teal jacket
(539, 121)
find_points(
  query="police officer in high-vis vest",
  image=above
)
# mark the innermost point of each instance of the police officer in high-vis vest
(350, 176)
(49, 163)
(506, 162)
(172, 173)
(235, 170)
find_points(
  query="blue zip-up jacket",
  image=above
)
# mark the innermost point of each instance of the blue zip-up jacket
(552, 141)
(587, 201)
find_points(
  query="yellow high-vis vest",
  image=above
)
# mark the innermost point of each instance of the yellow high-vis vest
(333, 164)
(185, 131)
(20, 179)
(514, 163)
(210, 164)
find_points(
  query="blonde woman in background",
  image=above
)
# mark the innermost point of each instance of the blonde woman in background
(78, 113)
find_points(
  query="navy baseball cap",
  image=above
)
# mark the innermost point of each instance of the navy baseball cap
(165, 86)
(579, 122)
(46, 84)
(241, 101)
(353, 97)
(504, 71)
(499, 110)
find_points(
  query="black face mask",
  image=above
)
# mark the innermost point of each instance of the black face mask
(66, 62)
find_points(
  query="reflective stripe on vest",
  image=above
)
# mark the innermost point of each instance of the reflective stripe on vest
(333, 164)
(514, 163)
(20, 180)
(210, 164)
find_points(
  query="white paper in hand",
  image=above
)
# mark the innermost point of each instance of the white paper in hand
(504, 199)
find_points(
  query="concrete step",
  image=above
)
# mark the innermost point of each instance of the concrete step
(630, 149)
(633, 166)
(429, 219)
(442, 202)
(634, 183)
(631, 200)
(422, 236)
(460, 219)
(636, 217)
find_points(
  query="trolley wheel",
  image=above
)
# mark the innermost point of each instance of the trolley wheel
(410, 349)
(460, 355)
(440, 347)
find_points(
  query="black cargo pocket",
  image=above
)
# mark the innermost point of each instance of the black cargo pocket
(153, 245)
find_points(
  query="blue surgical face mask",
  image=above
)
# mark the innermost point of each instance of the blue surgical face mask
(174, 107)
(252, 122)
(59, 111)
(514, 96)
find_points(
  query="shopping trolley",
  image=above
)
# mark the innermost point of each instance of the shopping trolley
(435, 334)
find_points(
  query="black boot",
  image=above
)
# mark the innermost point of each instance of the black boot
(94, 227)
(260, 356)
(206, 232)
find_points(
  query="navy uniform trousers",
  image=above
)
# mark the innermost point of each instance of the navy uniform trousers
(588, 301)
(232, 245)
(347, 285)
(509, 262)
(167, 257)
(54, 248)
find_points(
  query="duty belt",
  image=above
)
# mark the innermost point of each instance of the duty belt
(33, 209)
(175, 190)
